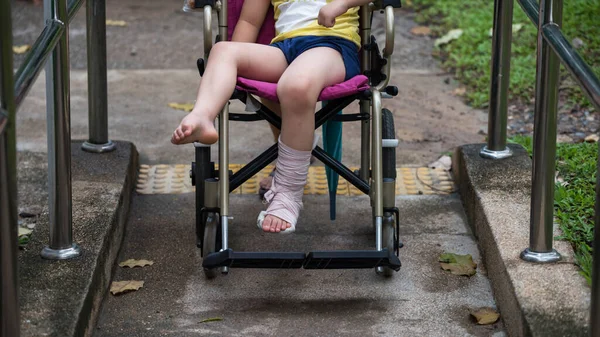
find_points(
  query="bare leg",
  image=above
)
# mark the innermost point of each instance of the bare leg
(227, 60)
(265, 183)
(298, 90)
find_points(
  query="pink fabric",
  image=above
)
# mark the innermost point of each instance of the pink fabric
(268, 90)
(234, 9)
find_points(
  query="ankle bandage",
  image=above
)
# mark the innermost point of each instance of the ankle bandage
(285, 195)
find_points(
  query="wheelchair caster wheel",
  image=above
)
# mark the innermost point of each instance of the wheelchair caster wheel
(209, 244)
(388, 236)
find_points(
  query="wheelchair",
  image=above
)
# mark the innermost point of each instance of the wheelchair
(376, 176)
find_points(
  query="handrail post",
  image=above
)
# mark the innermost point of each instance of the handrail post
(544, 142)
(59, 142)
(500, 76)
(98, 141)
(9, 283)
(595, 308)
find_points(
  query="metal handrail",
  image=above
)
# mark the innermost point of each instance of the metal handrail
(36, 59)
(552, 50)
(9, 289)
(51, 45)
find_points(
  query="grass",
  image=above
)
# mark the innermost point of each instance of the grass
(574, 198)
(469, 56)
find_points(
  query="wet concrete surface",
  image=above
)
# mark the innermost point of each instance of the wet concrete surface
(420, 300)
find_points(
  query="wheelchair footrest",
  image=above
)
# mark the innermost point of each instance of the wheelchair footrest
(350, 259)
(229, 258)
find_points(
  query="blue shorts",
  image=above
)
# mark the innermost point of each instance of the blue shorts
(292, 48)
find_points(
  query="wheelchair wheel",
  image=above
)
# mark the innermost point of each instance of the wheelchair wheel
(389, 172)
(388, 153)
(210, 242)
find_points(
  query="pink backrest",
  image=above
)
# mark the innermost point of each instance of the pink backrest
(267, 32)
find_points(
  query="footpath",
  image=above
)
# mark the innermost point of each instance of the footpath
(151, 63)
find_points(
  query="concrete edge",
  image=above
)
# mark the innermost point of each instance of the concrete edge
(99, 286)
(534, 299)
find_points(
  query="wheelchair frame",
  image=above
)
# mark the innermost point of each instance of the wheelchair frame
(212, 195)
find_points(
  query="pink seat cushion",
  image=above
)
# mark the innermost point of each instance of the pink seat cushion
(268, 90)
(267, 31)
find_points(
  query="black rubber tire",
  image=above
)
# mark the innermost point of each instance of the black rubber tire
(389, 171)
(388, 153)
(202, 170)
(388, 231)
(210, 241)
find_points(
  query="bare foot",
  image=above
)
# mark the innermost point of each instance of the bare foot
(273, 224)
(195, 128)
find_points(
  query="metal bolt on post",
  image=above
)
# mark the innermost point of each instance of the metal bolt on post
(544, 141)
(98, 141)
(502, 37)
(59, 142)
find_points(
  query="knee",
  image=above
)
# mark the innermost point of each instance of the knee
(297, 91)
(222, 49)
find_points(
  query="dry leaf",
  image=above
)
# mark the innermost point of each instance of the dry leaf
(24, 231)
(459, 91)
(458, 264)
(592, 138)
(515, 29)
(421, 30)
(559, 180)
(444, 162)
(131, 263)
(450, 36)
(485, 316)
(120, 287)
(118, 23)
(187, 107)
(21, 49)
(214, 319)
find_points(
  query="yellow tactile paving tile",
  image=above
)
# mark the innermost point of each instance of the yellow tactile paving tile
(173, 179)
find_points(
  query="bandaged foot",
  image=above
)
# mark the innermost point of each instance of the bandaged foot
(265, 183)
(287, 188)
(195, 127)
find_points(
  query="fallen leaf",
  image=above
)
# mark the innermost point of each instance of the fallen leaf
(187, 107)
(120, 287)
(21, 49)
(118, 23)
(592, 138)
(444, 162)
(131, 263)
(558, 179)
(24, 231)
(459, 91)
(458, 264)
(421, 30)
(515, 29)
(214, 319)
(485, 316)
(450, 36)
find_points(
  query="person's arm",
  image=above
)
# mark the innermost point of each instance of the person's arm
(332, 10)
(251, 20)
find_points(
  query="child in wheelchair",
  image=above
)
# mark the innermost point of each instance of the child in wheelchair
(316, 46)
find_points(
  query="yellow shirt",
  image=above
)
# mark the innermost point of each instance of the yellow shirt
(299, 18)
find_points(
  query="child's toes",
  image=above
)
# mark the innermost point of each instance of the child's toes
(267, 224)
(275, 225)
